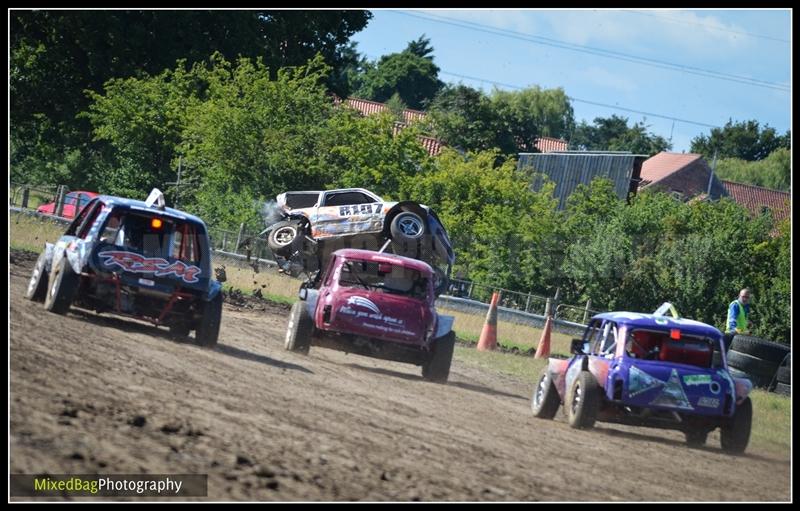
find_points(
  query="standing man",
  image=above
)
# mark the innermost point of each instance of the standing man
(738, 314)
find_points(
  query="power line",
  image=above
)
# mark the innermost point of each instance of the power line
(599, 52)
(573, 98)
(579, 100)
(706, 25)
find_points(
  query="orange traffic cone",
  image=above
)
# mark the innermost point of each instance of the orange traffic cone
(543, 351)
(488, 339)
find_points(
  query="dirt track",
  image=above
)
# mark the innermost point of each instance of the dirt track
(266, 424)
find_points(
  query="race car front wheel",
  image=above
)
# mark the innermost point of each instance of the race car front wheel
(62, 285)
(545, 401)
(37, 286)
(299, 330)
(283, 238)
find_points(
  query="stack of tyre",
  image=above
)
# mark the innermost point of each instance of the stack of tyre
(782, 377)
(762, 362)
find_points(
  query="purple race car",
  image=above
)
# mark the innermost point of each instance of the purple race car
(649, 370)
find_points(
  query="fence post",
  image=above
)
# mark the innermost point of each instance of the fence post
(25, 192)
(224, 240)
(239, 237)
(60, 200)
(528, 302)
(469, 292)
(586, 312)
(547, 306)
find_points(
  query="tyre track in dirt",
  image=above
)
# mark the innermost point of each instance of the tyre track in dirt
(101, 394)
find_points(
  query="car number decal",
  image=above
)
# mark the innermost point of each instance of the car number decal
(360, 209)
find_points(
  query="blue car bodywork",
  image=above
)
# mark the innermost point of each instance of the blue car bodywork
(132, 258)
(649, 370)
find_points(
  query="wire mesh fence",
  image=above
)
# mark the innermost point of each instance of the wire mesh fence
(252, 246)
(31, 196)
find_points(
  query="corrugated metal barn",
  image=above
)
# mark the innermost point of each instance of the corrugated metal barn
(568, 169)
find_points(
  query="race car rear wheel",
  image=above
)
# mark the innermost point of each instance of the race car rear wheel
(407, 229)
(735, 434)
(284, 237)
(437, 368)
(299, 330)
(37, 285)
(62, 286)
(583, 401)
(545, 400)
(207, 331)
(407, 226)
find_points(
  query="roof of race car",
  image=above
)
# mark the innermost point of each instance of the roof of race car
(142, 206)
(642, 320)
(378, 257)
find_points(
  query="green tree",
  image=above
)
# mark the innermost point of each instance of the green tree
(492, 215)
(464, 118)
(774, 171)
(745, 140)
(368, 152)
(614, 134)
(414, 77)
(533, 112)
(56, 55)
(509, 121)
(143, 120)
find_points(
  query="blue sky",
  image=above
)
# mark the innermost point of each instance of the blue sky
(743, 43)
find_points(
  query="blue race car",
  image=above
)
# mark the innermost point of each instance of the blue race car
(649, 370)
(133, 258)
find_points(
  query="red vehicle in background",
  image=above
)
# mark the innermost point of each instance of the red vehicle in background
(74, 202)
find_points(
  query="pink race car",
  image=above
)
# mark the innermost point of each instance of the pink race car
(377, 305)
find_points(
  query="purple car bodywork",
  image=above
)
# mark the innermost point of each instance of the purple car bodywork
(678, 381)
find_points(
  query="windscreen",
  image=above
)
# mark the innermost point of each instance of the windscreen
(301, 200)
(153, 236)
(671, 346)
(384, 278)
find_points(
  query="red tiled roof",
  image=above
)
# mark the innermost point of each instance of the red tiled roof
(550, 144)
(432, 145)
(664, 164)
(368, 107)
(755, 197)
